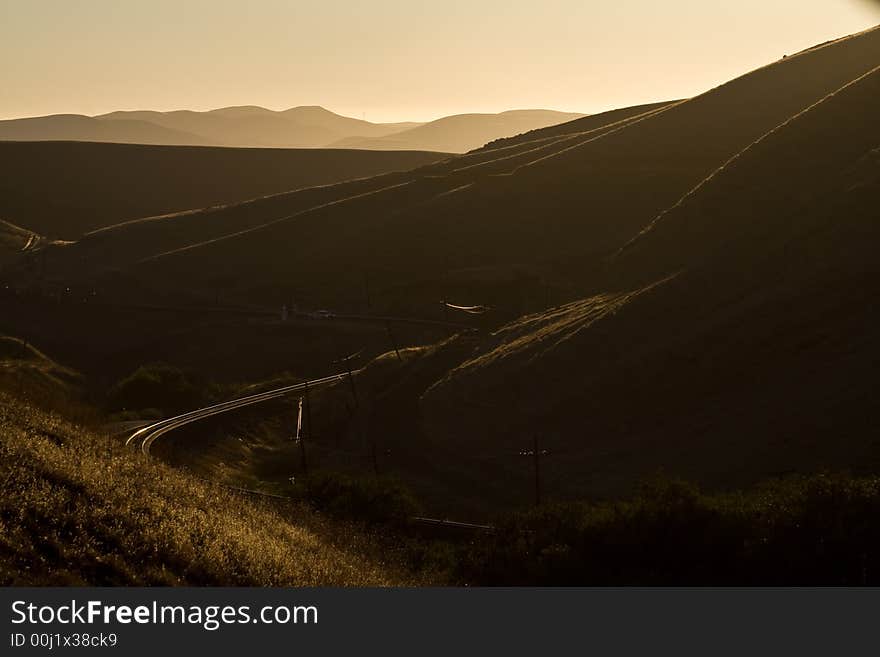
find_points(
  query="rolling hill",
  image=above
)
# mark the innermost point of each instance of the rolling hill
(62, 127)
(686, 285)
(462, 132)
(64, 189)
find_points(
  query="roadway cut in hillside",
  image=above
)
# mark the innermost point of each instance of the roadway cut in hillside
(527, 340)
(144, 437)
(530, 147)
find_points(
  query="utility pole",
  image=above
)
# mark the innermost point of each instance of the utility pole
(367, 292)
(354, 394)
(373, 450)
(393, 341)
(309, 411)
(302, 442)
(536, 453)
(300, 437)
(347, 360)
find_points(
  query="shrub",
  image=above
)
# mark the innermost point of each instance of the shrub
(373, 500)
(821, 530)
(162, 386)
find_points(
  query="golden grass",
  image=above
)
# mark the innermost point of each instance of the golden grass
(75, 512)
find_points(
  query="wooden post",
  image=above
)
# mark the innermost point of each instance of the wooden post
(373, 451)
(537, 455)
(375, 458)
(299, 419)
(351, 382)
(393, 341)
(367, 292)
(302, 441)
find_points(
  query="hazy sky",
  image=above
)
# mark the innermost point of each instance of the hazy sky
(393, 59)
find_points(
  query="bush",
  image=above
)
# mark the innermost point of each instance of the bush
(822, 530)
(373, 500)
(168, 388)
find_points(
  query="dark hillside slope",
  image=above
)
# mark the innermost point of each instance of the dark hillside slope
(554, 208)
(63, 189)
(130, 242)
(747, 345)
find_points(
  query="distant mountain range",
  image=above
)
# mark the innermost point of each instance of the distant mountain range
(298, 127)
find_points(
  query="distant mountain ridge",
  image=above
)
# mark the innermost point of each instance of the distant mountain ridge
(308, 126)
(462, 132)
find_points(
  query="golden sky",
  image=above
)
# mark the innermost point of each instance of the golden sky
(393, 60)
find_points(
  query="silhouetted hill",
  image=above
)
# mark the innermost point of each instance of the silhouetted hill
(297, 127)
(314, 115)
(63, 189)
(462, 132)
(60, 127)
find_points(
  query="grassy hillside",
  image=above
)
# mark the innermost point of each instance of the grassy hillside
(63, 189)
(28, 370)
(76, 513)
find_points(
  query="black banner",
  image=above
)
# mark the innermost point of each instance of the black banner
(160, 622)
